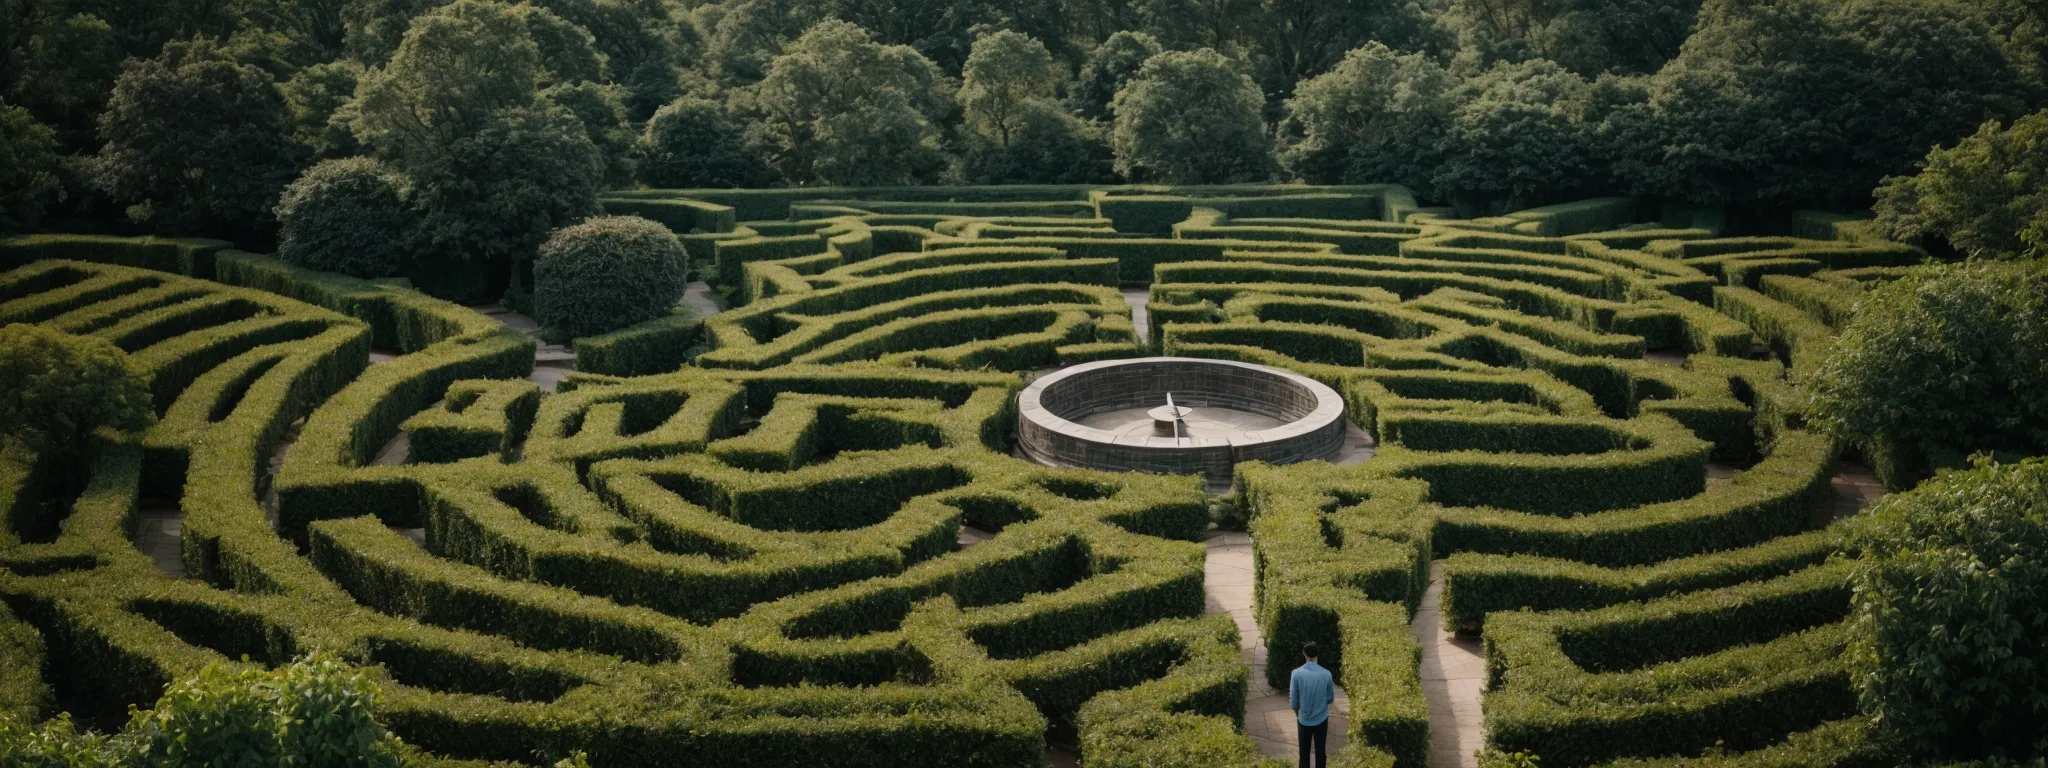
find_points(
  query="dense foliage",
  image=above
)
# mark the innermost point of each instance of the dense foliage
(1949, 623)
(1987, 196)
(28, 165)
(315, 713)
(838, 107)
(510, 117)
(692, 143)
(1950, 361)
(605, 274)
(1190, 118)
(56, 389)
(352, 216)
(196, 142)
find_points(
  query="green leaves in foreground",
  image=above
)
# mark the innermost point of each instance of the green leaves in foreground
(1949, 648)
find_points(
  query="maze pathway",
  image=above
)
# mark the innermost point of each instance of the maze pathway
(1227, 583)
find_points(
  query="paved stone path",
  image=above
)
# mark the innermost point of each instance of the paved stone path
(699, 298)
(1453, 675)
(1137, 298)
(1227, 585)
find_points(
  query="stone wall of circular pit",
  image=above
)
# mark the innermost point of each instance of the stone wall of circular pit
(1312, 414)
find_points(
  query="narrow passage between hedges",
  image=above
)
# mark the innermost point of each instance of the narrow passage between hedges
(1453, 675)
(1140, 319)
(1227, 585)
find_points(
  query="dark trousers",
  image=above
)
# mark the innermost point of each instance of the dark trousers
(1316, 735)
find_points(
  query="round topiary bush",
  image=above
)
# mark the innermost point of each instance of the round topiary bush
(1951, 642)
(351, 216)
(605, 274)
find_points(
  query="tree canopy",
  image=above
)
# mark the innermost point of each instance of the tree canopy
(1191, 118)
(57, 389)
(1987, 196)
(838, 107)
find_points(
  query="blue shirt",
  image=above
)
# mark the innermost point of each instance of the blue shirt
(1310, 693)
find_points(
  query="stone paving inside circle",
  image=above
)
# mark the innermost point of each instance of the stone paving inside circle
(1199, 422)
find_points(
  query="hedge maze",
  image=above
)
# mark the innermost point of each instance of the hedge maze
(738, 540)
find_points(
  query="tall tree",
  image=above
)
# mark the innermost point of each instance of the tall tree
(28, 168)
(1518, 136)
(197, 143)
(494, 168)
(1006, 75)
(1985, 197)
(57, 389)
(1811, 102)
(1191, 118)
(1300, 39)
(693, 143)
(944, 30)
(1589, 37)
(60, 68)
(840, 108)
(1376, 117)
(1016, 131)
(1109, 66)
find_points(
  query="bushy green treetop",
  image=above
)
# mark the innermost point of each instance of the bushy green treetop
(1007, 75)
(1375, 118)
(352, 216)
(1191, 118)
(840, 108)
(197, 142)
(1987, 196)
(1109, 66)
(1517, 137)
(28, 168)
(693, 143)
(57, 389)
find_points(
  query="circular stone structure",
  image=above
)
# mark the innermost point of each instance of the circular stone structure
(1116, 415)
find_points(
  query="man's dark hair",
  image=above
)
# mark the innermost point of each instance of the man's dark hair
(1310, 650)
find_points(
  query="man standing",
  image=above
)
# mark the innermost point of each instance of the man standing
(1310, 693)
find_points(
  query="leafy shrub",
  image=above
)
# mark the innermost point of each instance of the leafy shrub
(314, 713)
(350, 216)
(198, 142)
(605, 274)
(1949, 622)
(1946, 362)
(602, 111)
(55, 744)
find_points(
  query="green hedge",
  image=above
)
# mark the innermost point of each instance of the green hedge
(1738, 668)
(1145, 214)
(479, 418)
(655, 346)
(191, 257)
(732, 256)
(681, 215)
(23, 694)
